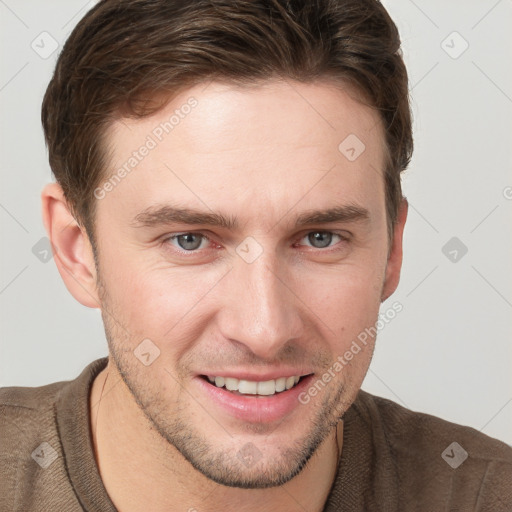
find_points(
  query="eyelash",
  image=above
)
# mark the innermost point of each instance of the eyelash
(168, 239)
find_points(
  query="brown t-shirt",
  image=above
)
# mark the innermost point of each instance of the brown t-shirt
(392, 459)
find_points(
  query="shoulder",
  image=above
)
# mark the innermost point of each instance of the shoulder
(29, 397)
(25, 410)
(33, 466)
(404, 425)
(29, 435)
(437, 456)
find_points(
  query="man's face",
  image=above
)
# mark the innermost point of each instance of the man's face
(259, 297)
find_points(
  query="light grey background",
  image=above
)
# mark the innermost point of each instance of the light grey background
(449, 352)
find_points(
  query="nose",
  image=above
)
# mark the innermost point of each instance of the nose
(260, 309)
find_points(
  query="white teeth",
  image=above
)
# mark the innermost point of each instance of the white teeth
(231, 384)
(248, 387)
(280, 384)
(267, 388)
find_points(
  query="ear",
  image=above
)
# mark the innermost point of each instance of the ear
(72, 249)
(394, 264)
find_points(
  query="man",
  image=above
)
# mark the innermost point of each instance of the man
(228, 194)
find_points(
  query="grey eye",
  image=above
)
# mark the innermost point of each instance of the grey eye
(189, 241)
(320, 239)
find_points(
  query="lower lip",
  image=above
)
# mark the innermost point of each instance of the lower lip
(255, 409)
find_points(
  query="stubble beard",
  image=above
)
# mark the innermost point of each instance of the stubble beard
(223, 466)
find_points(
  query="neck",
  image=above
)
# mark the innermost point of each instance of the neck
(135, 462)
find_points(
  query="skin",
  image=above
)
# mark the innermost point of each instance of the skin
(263, 156)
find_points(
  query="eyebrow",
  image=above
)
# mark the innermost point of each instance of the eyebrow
(167, 214)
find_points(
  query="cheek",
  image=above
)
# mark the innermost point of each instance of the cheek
(159, 302)
(348, 312)
(348, 316)
(347, 301)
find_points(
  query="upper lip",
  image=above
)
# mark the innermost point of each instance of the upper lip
(258, 377)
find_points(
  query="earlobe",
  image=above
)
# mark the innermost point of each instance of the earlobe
(72, 249)
(394, 264)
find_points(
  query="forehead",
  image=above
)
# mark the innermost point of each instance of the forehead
(219, 145)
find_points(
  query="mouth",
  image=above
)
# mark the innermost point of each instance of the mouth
(254, 388)
(253, 401)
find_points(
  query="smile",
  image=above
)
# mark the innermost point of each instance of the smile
(255, 401)
(248, 387)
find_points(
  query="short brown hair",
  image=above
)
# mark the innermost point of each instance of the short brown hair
(125, 52)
